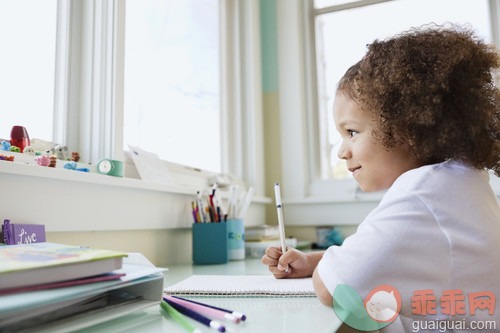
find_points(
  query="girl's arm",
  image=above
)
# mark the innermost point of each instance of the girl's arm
(321, 291)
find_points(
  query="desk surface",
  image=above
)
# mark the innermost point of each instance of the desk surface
(264, 314)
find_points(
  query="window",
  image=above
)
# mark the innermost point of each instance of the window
(28, 39)
(314, 191)
(195, 64)
(336, 49)
(172, 83)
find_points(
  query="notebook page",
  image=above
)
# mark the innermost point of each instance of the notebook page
(241, 285)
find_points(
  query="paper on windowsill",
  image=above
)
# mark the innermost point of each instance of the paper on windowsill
(150, 167)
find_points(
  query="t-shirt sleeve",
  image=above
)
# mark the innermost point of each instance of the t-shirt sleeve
(391, 246)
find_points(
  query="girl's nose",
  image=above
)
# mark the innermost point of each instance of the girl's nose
(344, 152)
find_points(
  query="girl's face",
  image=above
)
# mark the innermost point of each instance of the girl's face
(373, 167)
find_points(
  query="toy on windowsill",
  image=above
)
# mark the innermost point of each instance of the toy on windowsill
(42, 160)
(7, 158)
(15, 149)
(75, 156)
(5, 145)
(40, 146)
(70, 165)
(19, 137)
(49, 152)
(53, 161)
(62, 152)
(30, 151)
(73, 166)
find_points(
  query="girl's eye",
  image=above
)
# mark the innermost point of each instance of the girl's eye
(352, 133)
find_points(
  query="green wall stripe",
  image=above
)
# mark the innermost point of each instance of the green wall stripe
(269, 47)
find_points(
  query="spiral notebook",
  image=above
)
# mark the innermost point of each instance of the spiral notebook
(242, 285)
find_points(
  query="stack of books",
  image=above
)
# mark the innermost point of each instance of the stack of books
(54, 287)
(259, 238)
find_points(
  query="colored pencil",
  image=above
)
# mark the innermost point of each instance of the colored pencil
(196, 316)
(234, 313)
(179, 317)
(204, 309)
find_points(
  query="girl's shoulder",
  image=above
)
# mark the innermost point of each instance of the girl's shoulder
(448, 184)
(441, 176)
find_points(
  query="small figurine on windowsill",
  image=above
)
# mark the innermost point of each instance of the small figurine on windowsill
(75, 156)
(62, 152)
(5, 145)
(6, 158)
(70, 165)
(40, 146)
(15, 149)
(53, 161)
(19, 137)
(42, 160)
(30, 151)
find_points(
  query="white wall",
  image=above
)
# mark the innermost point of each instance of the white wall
(103, 211)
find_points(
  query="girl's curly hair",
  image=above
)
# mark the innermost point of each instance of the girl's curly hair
(432, 91)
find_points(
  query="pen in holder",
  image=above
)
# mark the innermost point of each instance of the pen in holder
(236, 235)
(210, 243)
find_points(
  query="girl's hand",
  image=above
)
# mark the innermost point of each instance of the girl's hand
(299, 264)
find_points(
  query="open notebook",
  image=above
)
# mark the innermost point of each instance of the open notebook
(241, 285)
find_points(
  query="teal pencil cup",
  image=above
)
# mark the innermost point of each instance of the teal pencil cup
(210, 243)
(236, 235)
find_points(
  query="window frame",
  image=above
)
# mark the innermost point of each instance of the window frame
(88, 108)
(311, 200)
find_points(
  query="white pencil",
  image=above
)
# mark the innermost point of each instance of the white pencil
(281, 222)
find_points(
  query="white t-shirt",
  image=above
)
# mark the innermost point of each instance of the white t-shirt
(437, 228)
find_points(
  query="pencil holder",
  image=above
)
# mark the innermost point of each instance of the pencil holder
(210, 243)
(236, 235)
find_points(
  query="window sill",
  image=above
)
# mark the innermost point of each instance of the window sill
(346, 206)
(22, 169)
(68, 200)
(325, 211)
(133, 181)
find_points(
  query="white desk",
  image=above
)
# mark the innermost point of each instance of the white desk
(264, 314)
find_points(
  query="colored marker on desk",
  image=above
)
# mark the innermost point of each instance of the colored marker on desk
(178, 317)
(201, 207)
(204, 309)
(196, 316)
(239, 315)
(195, 216)
(213, 214)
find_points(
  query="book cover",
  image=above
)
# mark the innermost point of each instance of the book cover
(62, 284)
(38, 263)
(14, 233)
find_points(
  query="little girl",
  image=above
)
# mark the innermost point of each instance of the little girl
(419, 116)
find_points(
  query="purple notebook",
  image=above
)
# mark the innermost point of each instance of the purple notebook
(22, 233)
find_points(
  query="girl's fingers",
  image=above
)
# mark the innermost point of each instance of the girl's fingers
(278, 273)
(272, 256)
(273, 252)
(266, 260)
